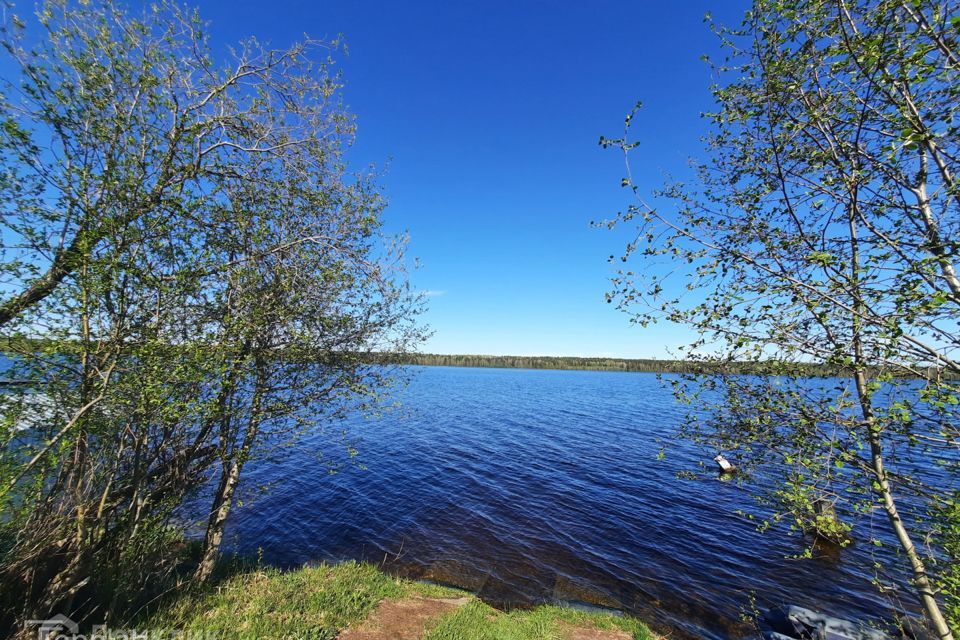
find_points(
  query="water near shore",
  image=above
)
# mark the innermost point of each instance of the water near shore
(538, 486)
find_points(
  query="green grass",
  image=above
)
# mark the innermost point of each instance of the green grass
(313, 602)
(317, 602)
(478, 621)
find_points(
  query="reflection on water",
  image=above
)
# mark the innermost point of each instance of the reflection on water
(542, 486)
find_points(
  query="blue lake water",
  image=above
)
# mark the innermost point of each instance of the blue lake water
(542, 486)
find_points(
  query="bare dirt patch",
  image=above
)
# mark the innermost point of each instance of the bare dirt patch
(571, 632)
(404, 619)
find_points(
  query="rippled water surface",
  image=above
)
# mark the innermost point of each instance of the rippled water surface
(539, 486)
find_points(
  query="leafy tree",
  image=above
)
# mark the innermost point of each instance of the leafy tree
(186, 260)
(301, 319)
(823, 227)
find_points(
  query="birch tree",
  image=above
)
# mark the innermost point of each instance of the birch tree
(305, 323)
(822, 226)
(161, 207)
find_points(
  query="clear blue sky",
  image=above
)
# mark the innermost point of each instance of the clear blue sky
(486, 117)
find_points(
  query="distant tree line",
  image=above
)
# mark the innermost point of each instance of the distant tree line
(644, 365)
(15, 345)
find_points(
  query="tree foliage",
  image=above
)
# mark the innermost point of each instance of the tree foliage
(190, 278)
(822, 227)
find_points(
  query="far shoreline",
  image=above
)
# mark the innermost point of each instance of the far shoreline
(625, 365)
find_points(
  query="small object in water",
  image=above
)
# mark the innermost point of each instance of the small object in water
(724, 464)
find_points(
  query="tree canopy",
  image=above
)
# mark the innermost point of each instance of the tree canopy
(190, 277)
(822, 227)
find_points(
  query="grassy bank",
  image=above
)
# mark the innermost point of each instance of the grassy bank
(319, 602)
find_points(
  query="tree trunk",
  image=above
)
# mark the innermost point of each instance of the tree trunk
(218, 519)
(921, 580)
(229, 479)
